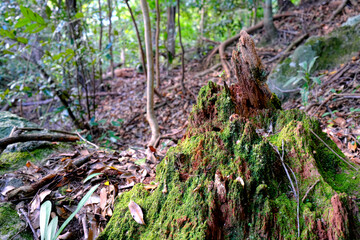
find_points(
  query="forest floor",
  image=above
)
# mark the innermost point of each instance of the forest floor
(125, 102)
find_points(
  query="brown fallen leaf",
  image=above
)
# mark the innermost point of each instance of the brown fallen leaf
(136, 212)
(352, 147)
(103, 198)
(341, 122)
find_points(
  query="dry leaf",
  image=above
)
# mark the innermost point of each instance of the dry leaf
(352, 147)
(151, 186)
(103, 198)
(136, 212)
(341, 122)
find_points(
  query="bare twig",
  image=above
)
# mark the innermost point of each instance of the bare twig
(29, 222)
(309, 189)
(333, 150)
(294, 190)
(90, 143)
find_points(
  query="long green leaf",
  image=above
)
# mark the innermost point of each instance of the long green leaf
(45, 211)
(51, 229)
(91, 176)
(81, 204)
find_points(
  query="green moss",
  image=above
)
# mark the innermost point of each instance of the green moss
(224, 180)
(11, 227)
(12, 160)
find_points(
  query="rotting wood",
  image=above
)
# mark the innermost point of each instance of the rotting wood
(250, 30)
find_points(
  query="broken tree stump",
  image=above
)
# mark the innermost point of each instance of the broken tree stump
(245, 169)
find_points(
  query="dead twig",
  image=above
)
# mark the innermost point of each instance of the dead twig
(90, 143)
(348, 163)
(309, 189)
(168, 136)
(294, 190)
(29, 222)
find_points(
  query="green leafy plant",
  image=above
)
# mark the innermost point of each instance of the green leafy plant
(48, 230)
(304, 75)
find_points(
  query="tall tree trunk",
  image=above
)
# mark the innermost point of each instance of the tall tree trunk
(202, 22)
(270, 30)
(141, 50)
(182, 51)
(157, 57)
(100, 44)
(284, 5)
(110, 41)
(171, 12)
(150, 113)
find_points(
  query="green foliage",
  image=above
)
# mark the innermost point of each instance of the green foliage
(304, 75)
(48, 230)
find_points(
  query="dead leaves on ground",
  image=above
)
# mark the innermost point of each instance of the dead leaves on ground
(116, 172)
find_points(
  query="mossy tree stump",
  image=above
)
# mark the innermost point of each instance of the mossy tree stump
(225, 179)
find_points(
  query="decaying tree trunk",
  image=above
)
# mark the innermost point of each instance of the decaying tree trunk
(245, 169)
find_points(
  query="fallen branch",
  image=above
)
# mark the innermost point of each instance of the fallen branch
(213, 68)
(292, 45)
(36, 137)
(338, 10)
(28, 190)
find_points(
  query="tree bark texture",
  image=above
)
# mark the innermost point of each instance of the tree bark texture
(110, 41)
(171, 12)
(141, 50)
(150, 113)
(270, 30)
(157, 34)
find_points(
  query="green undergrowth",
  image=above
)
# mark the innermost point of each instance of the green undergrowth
(10, 161)
(225, 180)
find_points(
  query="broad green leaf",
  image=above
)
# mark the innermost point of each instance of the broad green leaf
(48, 11)
(79, 15)
(24, 11)
(8, 52)
(81, 204)
(51, 229)
(22, 22)
(312, 63)
(45, 211)
(22, 40)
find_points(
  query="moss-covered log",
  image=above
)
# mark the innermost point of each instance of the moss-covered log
(225, 179)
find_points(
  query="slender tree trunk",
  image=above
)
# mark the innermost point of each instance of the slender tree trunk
(182, 51)
(171, 12)
(284, 5)
(150, 113)
(100, 44)
(157, 57)
(141, 50)
(270, 30)
(202, 22)
(110, 41)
